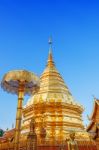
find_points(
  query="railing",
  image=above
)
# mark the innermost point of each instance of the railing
(82, 145)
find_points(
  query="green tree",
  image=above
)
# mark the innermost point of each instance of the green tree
(1, 132)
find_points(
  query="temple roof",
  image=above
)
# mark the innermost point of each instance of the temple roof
(94, 118)
(96, 106)
(8, 135)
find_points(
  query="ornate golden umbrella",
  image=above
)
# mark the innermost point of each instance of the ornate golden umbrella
(20, 82)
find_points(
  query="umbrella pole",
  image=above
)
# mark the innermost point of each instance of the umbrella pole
(19, 116)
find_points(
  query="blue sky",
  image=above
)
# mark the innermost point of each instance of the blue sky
(25, 26)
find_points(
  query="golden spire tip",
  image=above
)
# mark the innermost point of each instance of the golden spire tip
(50, 58)
(50, 44)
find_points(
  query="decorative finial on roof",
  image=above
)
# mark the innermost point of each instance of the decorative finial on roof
(12, 125)
(50, 43)
(88, 117)
(50, 58)
(7, 129)
(94, 97)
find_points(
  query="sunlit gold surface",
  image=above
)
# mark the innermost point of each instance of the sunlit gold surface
(61, 113)
(19, 116)
(12, 79)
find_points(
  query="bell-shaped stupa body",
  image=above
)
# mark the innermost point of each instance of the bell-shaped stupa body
(53, 107)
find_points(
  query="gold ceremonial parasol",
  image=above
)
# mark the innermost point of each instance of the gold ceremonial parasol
(20, 82)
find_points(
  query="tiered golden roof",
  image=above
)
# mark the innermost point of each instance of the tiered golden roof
(52, 87)
(53, 106)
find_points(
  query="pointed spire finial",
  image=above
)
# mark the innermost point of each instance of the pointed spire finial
(50, 43)
(50, 58)
(94, 97)
(12, 125)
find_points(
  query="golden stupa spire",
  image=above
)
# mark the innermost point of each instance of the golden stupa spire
(50, 57)
(55, 104)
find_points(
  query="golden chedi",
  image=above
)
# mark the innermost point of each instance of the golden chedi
(53, 107)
